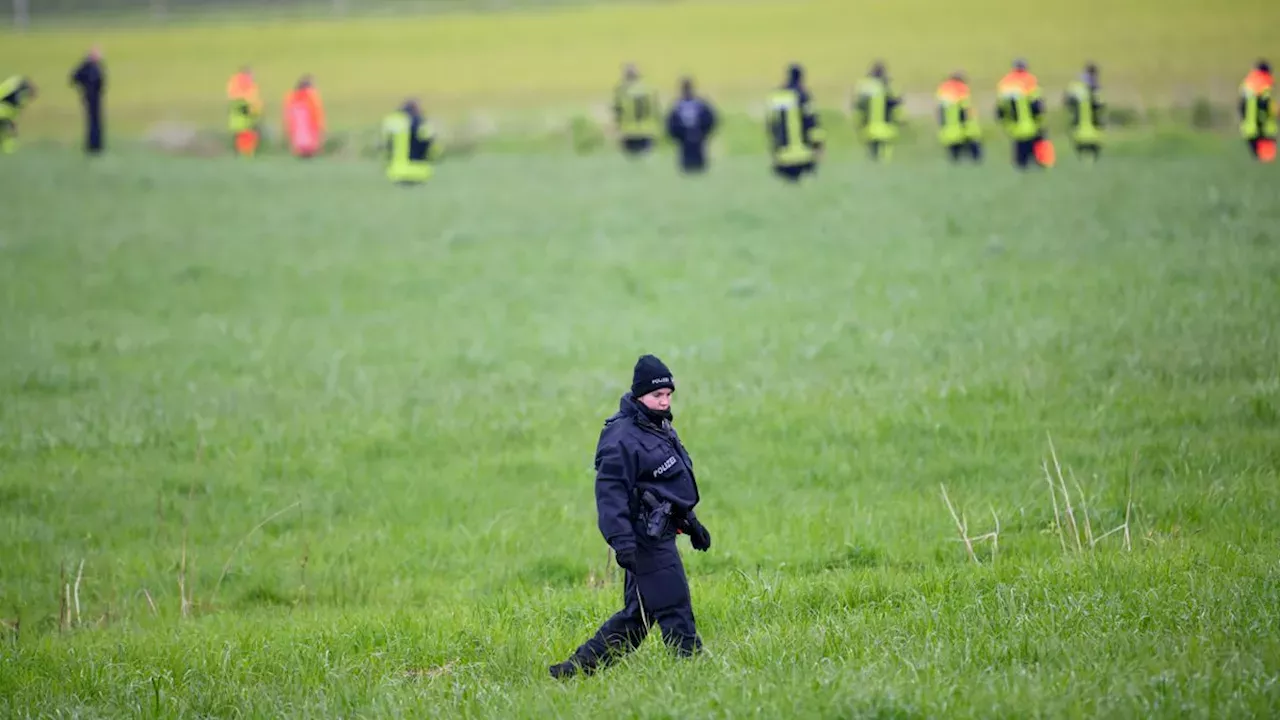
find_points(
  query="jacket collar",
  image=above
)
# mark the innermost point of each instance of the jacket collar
(629, 406)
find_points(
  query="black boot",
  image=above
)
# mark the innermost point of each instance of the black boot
(569, 668)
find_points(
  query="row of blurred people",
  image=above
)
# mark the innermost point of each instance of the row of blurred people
(796, 136)
(794, 133)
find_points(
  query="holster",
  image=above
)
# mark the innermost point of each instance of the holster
(655, 516)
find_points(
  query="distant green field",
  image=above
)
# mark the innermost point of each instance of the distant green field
(355, 426)
(535, 67)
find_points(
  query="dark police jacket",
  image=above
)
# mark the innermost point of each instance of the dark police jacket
(635, 455)
(91, 79)
(691, 121)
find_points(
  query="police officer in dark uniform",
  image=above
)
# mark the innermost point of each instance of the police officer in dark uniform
(645, 495)
(690, 124)
(91, 80)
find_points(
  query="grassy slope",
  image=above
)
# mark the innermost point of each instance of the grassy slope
(559, 60)
(425, 373)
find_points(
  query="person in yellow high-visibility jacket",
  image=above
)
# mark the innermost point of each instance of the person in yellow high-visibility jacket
(958, 128)
(1258, 112)
(244, 112)
(1084, 101)
(1021, 111)
(410, 145)
(795, 135)
(15, 94)
(636, 112)
(875, 106)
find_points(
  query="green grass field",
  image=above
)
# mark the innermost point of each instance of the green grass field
(355, 425)
(530, 68)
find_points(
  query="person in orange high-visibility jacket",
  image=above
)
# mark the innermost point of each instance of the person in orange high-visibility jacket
(244, 112)
(304, 119)
(1021, 111)
(1258, 123)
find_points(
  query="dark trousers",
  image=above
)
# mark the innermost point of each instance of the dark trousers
(1093, 150)
(793, 173)
(93, 136)
(693, 157)
(971, 148)
(636, 146)
(1024, 153)
(657, 591)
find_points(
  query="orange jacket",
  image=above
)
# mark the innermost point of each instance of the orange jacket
(308, 100)
(304, 120)
(241, 86)
(1019, 79)
(1258, 81)
(953, 91)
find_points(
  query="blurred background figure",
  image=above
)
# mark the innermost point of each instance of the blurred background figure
(874, 107)
(244, 112)
(635, 110)
(690, 124)
(794, 133)
(1021, 110)
(1084, 102)
(409, 141)
(304, 119)
(15, 94)
(1258, 112)
(958, 128)
(90, 79)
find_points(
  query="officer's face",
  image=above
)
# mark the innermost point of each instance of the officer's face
(659, 399)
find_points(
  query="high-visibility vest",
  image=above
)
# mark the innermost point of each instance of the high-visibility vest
(244, 103)
(957, 121)
(1258, 116)
(1085, 126)
(1017, 92)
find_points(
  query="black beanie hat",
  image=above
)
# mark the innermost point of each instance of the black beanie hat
(650, 374)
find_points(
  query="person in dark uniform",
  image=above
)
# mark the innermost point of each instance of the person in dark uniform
(791, 126)
(645, 496)
(690, 124)
(90, 78)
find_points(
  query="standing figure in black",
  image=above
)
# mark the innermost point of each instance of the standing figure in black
(645, 495)
(690, 124)
(90, 78)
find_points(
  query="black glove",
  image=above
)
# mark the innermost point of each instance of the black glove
(626, 559)
(699, 537)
